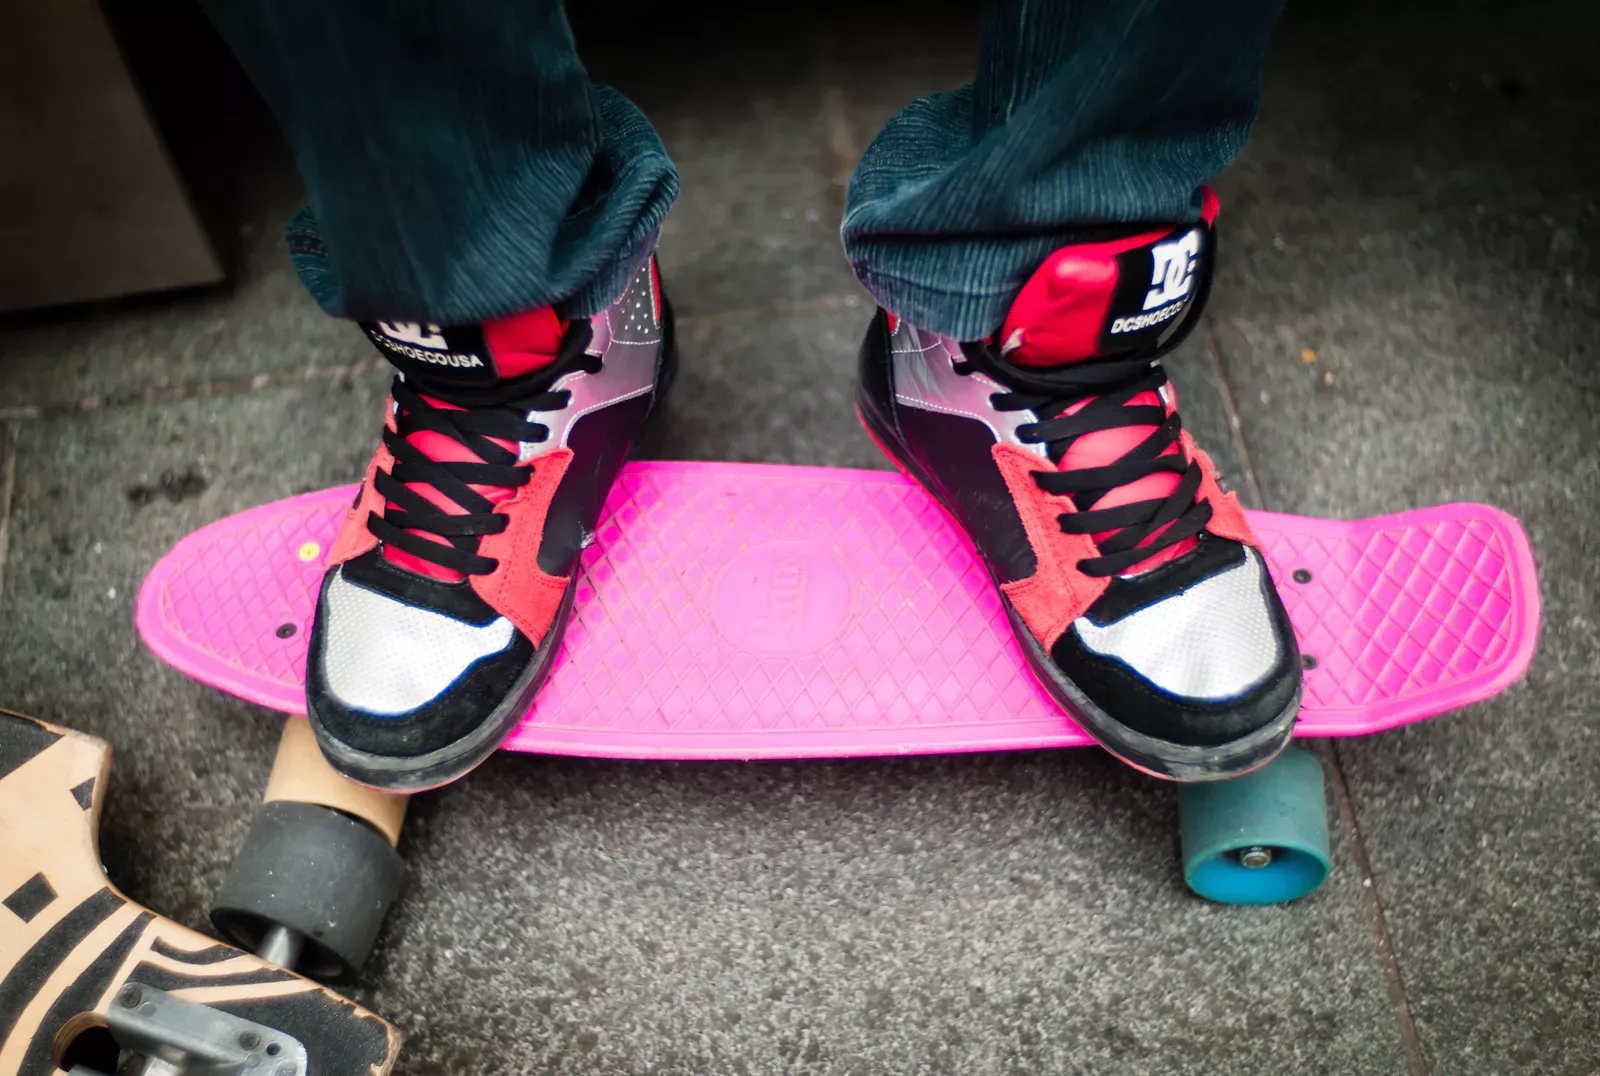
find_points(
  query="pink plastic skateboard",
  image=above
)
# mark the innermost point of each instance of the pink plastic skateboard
(736, 611)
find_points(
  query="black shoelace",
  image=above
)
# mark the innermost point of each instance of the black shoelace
(1113, 382)
(499, 412)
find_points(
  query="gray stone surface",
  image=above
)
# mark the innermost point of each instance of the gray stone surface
(90, 515)
(879, 67)
(1422, 215)
(776, 388)
(1417, 208)
(980, 914)
(261, 321)
(1205, 399)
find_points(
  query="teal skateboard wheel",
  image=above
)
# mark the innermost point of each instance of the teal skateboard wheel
(1257, 839)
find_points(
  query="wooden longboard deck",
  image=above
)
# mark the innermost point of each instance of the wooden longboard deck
(758, 611)
(70, 943)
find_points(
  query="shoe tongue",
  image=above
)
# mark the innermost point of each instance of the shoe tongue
(470, 355)
(461, 356)
(1093, 300)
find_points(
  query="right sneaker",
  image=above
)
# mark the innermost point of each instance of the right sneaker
(450, 584)
(1132, 580)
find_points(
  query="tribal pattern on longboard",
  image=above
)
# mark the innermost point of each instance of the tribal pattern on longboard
(77, 956)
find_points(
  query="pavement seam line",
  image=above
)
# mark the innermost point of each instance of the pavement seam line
(1219, 377)
(1410, 1041)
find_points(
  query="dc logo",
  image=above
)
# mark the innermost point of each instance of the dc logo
(411, 332)
(1172, 277)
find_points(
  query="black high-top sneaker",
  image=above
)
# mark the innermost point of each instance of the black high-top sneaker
(451, 581)
(1133, 583)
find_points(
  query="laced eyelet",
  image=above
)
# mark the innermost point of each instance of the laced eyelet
(483, 422)
(1132, 534)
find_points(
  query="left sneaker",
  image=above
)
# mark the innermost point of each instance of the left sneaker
(452, 579)
(1132, 581)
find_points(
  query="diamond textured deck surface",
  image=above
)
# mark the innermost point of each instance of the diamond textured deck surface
(740, 611)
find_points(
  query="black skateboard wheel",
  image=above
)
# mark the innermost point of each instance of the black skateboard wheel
(317, 872)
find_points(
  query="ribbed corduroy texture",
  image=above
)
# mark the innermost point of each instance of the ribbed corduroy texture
(461, 165)
(1083, 112)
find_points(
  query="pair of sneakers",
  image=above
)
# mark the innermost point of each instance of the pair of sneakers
(1132, 581)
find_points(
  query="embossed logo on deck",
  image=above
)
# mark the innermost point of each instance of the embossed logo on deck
(782, 598)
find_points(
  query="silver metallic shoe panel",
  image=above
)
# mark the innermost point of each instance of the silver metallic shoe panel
(1213, 641)
(383, 656)
(925, 378)
(628, 337)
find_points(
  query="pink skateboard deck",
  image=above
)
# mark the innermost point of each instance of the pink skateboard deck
(738, 611)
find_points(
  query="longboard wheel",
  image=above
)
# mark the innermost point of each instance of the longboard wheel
(1257, 839)
(311, 884)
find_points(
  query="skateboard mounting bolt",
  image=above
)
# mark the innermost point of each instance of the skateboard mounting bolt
(1256, 857)
(286, 1069)
(249, 1040)
(285, 630)
(308, 551)
(1308, 661)
(131, 997)
(1301, 576)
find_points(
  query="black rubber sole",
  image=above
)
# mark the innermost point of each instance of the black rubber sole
(1160, 758)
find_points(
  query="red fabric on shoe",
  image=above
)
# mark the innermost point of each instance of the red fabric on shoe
(1073, 309)
(1062, 309)
(517, 345)
(523, 343)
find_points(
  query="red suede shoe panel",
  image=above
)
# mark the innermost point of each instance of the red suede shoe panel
(354, 537)
(518, 589)
(1056, 593)
(1227, 517)
(1061, 311)
(524, 342)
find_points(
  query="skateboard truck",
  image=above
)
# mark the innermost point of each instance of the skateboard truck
(161, 1035)
(281, 945)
